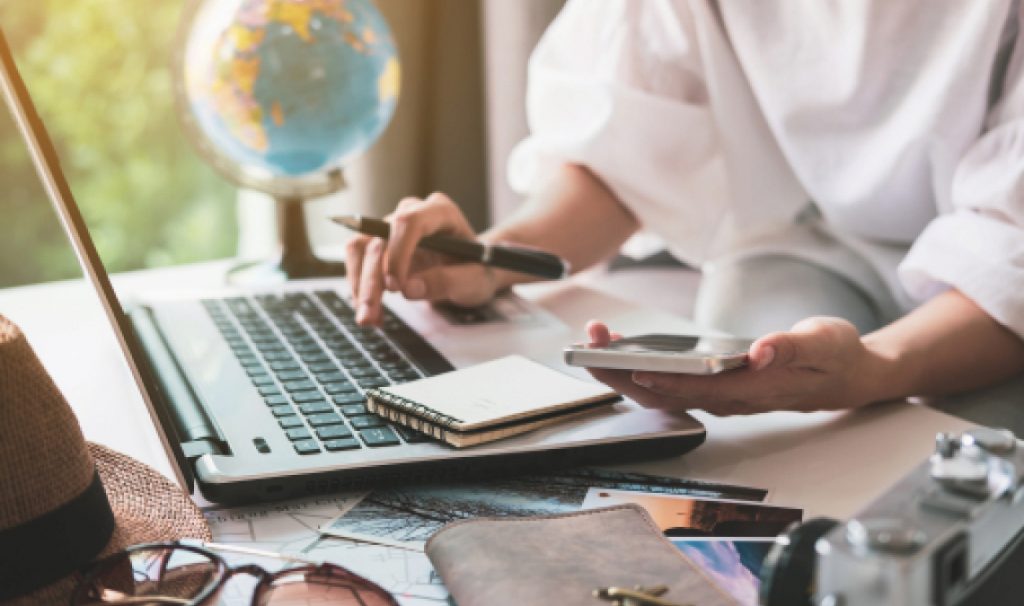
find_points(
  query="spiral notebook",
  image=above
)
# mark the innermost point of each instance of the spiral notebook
(489, 401)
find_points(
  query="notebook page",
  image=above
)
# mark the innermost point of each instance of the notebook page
(500, 390)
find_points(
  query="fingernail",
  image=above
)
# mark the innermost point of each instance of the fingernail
(767, 355)
(415, 288)
(390, 283)
(363, 313)
(643, 380)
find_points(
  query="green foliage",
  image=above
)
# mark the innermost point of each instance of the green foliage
(99, 71)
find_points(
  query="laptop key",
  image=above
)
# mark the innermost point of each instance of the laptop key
(366, 421)
(298, 433)
(352, 359)
(346, 399)
(364, 372)
(302, 397)
(339, 387)
(400, 365)
(291, 375)
(330, 376)
(328, 418)
(304, 385)
(312, 408)
(304, 447)
(352, 410)
(248, 360)
(269, 390)
(276, 400)
(261, 380)
(290, 421)
(314, 356)
(341, 444)
(319, 367)
(255, 372)
(333, 432)
(411, 435)
(282, 411)
(379, 436)
(373, 382)
(284, 365)
(278, 356)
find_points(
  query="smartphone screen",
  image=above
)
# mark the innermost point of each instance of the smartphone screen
(681, 344)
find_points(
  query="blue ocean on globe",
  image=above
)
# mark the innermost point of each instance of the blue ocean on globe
(291, 86)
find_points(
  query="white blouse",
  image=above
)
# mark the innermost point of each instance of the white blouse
(717, 123)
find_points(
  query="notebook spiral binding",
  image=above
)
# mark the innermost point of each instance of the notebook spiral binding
(411, 407)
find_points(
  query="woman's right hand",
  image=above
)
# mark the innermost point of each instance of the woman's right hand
(375, 265)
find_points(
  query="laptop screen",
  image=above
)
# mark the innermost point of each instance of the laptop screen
(47, 163)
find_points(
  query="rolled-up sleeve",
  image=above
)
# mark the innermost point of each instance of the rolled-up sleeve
(616, 87)
(977, 247)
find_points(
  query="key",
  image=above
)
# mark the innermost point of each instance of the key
(366, 421)
(332, 432)
(330, 418)
(380, 436)
(305, 447)
(341, 444)
(298, 433)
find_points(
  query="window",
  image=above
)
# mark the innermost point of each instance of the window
(99, 72)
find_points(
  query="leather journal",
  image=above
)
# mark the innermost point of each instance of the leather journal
(562, 559)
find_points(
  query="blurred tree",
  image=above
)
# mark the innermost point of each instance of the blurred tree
(99, 72)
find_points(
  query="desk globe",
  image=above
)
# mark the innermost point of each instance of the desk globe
(279, 95)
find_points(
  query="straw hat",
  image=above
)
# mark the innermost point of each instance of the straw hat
(63, 502)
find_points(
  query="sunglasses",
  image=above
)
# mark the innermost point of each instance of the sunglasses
(193, 575)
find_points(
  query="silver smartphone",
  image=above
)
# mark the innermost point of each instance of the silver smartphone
(689, 354)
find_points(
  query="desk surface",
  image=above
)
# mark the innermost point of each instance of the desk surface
(829, 463)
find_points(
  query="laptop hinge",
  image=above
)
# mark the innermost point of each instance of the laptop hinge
(197, 448)
(197, 433)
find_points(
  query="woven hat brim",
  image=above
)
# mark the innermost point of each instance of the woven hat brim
(148, 508)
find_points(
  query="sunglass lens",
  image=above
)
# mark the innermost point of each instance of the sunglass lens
(168, 575)
(310, 588)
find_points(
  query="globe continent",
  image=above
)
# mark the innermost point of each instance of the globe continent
(291, 86)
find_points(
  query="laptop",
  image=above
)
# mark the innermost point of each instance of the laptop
(257, 394)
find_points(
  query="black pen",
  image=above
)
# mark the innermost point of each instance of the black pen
(524, 260)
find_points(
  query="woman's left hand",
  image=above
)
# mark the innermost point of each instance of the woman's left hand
(821, 363)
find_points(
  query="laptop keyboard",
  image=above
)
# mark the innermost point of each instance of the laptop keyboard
(312, 364)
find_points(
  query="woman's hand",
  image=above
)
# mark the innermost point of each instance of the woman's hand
(821, 363)
(396, 264)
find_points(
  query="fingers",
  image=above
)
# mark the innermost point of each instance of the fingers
(371, 283)
(807, 345)
(414, 220)
(466, 284)
(354, 251)
(598, 333)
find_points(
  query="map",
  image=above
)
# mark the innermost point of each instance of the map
(293, 528)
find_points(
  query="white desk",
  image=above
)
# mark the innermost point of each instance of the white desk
(828, 463)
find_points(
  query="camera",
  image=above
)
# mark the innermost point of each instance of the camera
(947, 534)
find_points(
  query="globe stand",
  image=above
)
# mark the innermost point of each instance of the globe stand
(295, 259)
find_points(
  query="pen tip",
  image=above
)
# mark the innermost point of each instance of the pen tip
(349, 221)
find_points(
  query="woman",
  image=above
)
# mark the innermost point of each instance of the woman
(837, 169)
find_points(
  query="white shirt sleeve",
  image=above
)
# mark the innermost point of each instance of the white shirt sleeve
(617, 87)
(977, 246)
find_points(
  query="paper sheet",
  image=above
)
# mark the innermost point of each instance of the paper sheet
(292, 528)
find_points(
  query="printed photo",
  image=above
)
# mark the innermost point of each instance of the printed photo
(686, 516)
(407, 516)
(734, 564)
